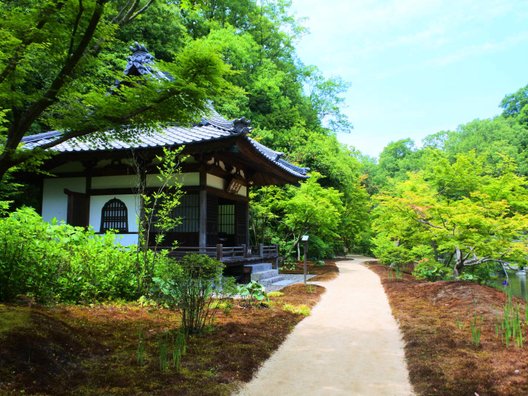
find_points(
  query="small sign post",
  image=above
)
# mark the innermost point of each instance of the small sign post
(305, 238)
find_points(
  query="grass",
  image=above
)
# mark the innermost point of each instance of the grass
(453, 340)
(297, 309)
(130, 349)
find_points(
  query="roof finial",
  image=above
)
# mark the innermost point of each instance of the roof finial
(139, 63)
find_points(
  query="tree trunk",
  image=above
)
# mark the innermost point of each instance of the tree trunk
(298, 251)
(459, 262)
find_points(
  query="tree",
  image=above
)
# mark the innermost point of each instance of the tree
(326, 99)
(514, 104)
(396, 159)
(58, 65)
(312, 210)
(487, 138)
(462, 213)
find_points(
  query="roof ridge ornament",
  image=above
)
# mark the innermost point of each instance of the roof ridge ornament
(140, 62)
(242, 125)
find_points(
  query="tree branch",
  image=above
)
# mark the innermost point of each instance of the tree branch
(17, 131)
(427, 223)
(140, 11)
(28, 39)
(119, 120)
(75, 28)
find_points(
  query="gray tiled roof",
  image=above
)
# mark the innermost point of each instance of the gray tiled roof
(276, 157)
(212, 128)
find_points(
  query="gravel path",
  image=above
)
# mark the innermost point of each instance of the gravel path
(349, 345)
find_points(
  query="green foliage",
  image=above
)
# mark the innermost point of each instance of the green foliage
(510, 326)
(240, 54)
(462, 213)
(431, 270)
(490, 139)
(189, 285)
(253, 292)
(157, 217)
(312, 210)
(60, 59)
(514, 105)
(302, 309)
(58, 262)
(476, 329)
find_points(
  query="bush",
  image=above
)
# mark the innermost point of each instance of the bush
(59, 262)
(431, 270)
(98, 269)
(189, 285)
(30, 261)
(483, 273)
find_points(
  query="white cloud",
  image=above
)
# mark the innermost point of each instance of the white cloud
(471, 51)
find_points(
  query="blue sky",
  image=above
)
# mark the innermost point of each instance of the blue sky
(416, 67)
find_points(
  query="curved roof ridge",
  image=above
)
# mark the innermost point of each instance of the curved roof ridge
(276, 157)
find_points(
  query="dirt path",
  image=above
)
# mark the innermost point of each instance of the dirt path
(350, 345)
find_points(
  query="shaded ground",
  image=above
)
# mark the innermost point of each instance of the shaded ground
(325, 272)
(350, 345)
(435, 319)
(93, 350)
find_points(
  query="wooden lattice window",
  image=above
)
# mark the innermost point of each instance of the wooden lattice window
(189, 213)
(226, 219)
(114, 216)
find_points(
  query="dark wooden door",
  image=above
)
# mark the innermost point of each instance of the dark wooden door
(241, 223)
(78, 208)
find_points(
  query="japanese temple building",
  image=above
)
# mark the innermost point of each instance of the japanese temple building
(95, 184)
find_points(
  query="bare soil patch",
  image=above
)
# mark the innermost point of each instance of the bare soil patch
(81, 350)
(322, 273)
(442, 358)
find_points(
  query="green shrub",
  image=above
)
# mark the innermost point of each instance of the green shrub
(431, 270)
(98, 269)
(483, 273)
(59, 262)
(31, 261)
(253, 292)
(189, 285)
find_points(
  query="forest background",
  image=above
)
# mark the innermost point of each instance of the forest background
(457, 205)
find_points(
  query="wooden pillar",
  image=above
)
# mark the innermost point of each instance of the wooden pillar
(89, 166)
(203, 209)
(219, 251)
(247, 242)
(244, 250)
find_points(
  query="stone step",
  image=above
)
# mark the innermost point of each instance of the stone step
(284, 282)
(272, 280)
(262, 275)
(259, 267)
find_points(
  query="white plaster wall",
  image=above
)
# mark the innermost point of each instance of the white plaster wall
(54, 201)
(215, 181)
(243, 191)
(130, 200)
(127, 239)
(187, 179)
(125, 181)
